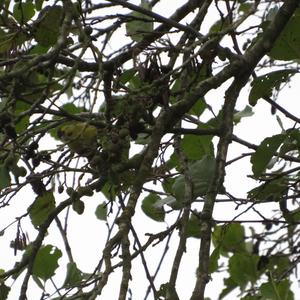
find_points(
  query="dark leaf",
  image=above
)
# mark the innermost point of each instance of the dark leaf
(4, 290)
(287, 45)
(4, 177)
(269, 191)
(266, 150)
(264, 85)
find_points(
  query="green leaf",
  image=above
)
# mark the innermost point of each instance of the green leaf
(193, 227)
(173, 162)
(246, 112)
(47, 30)
(72, 108)
(277, 290)
(230, 285)
(245, 8)
(264, 85)
(284, 290)
(242, 268)
(278, 265)
(269, 191)
(176, 88)
(251, 297)
(46, 262)
(108, 191)
(213, 260)
(4, 177)
(38, 281)
(4, 290)
(152, 209)
(294, 134)
(141, 24)
(269, 291)
(198, 108)
(195, 147)
(201, 173)
(287, 45)
(135, 83)
(101, 211)
(38, 49)
(39, 4)
(167, 184)
(292, 142)
(26, 255)
(23, 12)
(219, 25)
(265, 151)
(169, 200)
(23, 123)
(74, 275)
(41, 208)
(6, 41)
(127, 75)
(229, 238)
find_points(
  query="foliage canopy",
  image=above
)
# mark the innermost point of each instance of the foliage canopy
(106, 107)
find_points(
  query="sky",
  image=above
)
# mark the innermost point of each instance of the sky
(86, 234)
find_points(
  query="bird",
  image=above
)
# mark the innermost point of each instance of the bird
(80, 137)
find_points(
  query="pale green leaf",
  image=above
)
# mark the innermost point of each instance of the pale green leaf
(152, 207)
(201, 173)
(140, 25)
(101, 211)
(246, 112)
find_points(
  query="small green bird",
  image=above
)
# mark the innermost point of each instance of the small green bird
(80, 137)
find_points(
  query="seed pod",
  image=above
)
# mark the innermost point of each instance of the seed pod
(38, 186)
(124, 132)
(88, 30)
(85, 191)
(60, 189)
(78, 206)
(69, 191)
(10, 131)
